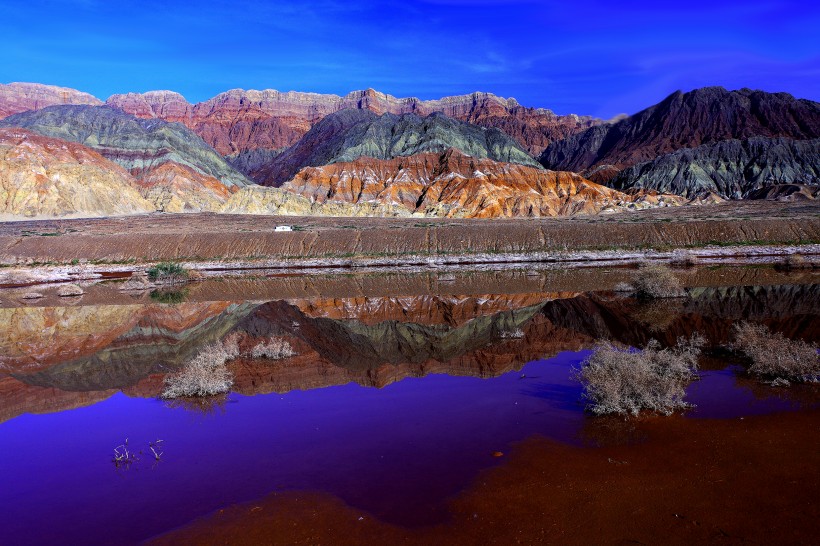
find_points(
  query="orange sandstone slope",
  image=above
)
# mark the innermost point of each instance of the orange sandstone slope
(49, 177)
(22, 97)
(42, 176)
(173, 187)
(455, 185)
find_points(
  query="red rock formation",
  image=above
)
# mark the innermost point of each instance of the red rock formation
(21, 97)
(455, 185)
(240, 120)
(681, 121)
(167, 105)
(42, 176)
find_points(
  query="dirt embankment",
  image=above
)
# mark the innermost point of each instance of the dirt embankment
(208, 237)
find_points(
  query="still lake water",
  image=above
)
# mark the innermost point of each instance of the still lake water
(394, 404)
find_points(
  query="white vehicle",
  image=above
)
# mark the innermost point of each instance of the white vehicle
(283, 228)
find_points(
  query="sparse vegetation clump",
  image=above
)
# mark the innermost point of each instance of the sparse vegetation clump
(655, 280)
(205, 375)
(170, 297)
(274, 348)
(123, 457)
(624, 381)
(167, 273)
(776, 357)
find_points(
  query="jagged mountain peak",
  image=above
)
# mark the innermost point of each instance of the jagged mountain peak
(683, 120)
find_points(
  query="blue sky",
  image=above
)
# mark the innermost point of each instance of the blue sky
(595, 57)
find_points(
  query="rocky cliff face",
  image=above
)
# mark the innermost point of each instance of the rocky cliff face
(350, 134)
(455, 185)
(136, 144)
(732, 169)
(165, 105)
(239, 120)
(683, 120)
(41, 176)
(172, 187)
(533, 128)
(22, 97)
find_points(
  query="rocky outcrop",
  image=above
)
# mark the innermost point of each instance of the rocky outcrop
(533, 128)
(172, 187)
(732, 169)
(455, 185)
(276, 201)
(318, 147)
(683, 120)
(350, 134)
(252, 160)
(46, 177)
(165, 105)
(237, 120)
(138, 145)
(22, 97)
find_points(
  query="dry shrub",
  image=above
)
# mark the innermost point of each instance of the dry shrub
(231, 345)
(624, 287)
(657, 315)
(204, 405)
(205, 375)
(625, 381)
(774, 356)
(655, 280)
(274, 348)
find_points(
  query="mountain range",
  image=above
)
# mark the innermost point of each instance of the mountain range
(367, 153)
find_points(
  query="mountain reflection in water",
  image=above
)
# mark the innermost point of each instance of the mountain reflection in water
(313, 421)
